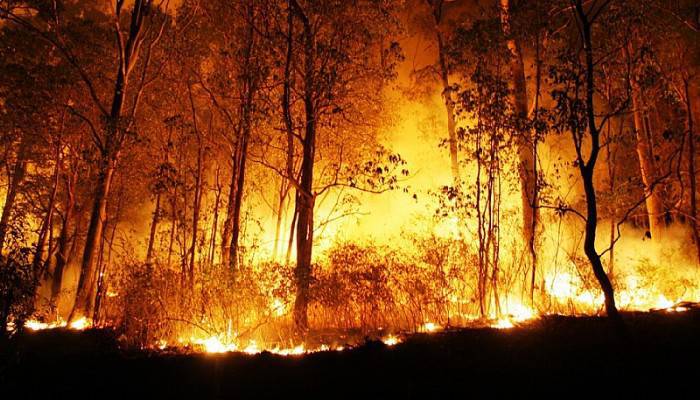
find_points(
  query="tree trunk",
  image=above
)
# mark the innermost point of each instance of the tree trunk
(525, 143)
(305, 237)
(292, 229)
(229, 221)
(288, 123)
(238, 203)
(46, 223)
(197, 201)
(305, 198)
(102, 265)
(110, 152)
(215, 223)
(284, 190)
(66, 238)
(153, 230)
(587, 170)
(85, 297)
(691, 167)
(645, 156)
(173, 225)
(18, 174)
(447, 96)
(589, 245)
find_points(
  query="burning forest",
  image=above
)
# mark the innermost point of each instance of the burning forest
(296, 177)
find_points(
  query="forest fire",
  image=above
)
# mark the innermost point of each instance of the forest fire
(77, 325)
(310, 176)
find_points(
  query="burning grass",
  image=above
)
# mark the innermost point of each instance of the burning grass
(358, 292)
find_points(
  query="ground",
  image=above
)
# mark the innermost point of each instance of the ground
(554, 356)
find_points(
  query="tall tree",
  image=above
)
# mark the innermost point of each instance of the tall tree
(437, 9)
(526, 141)
(575, 95)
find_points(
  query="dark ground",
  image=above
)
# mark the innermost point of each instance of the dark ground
(557, 356)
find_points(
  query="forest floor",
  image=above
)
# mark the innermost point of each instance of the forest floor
(553, 356)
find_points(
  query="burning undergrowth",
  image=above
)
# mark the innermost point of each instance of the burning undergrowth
(366, 291)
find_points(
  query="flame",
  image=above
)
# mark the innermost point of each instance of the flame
(214, 345)
(80, 324)
(35, 325)
(296, 351)
(391, 340)
(521, 313)
(503, 324)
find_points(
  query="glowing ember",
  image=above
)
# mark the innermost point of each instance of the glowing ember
(663, 303)
(391, 340)
(35, 325)
(80, 324)
(430, 327)
(521, 313)
(214, 345)
(503, 324)
(296, 351)
(252, 348)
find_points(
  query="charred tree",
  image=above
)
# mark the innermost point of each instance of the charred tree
(587, 167)
(198, 184)
(304, 198)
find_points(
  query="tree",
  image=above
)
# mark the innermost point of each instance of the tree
(526, 139)
(437, 8)
(577, 112)
(335, 72)
(142, 33)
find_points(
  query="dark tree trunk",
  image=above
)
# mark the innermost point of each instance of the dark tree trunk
(305, 198)
(238, 203)
(292, 229)
(248, 84)
(47, 222)
(153, 230)
(85, 297)
(66, 238)
(173, 224)
(305, 237)
(229, 221)
(587, 171)
(283, 192)
(18, 175)
(197, 201)
(215, 223)
(288, 123)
